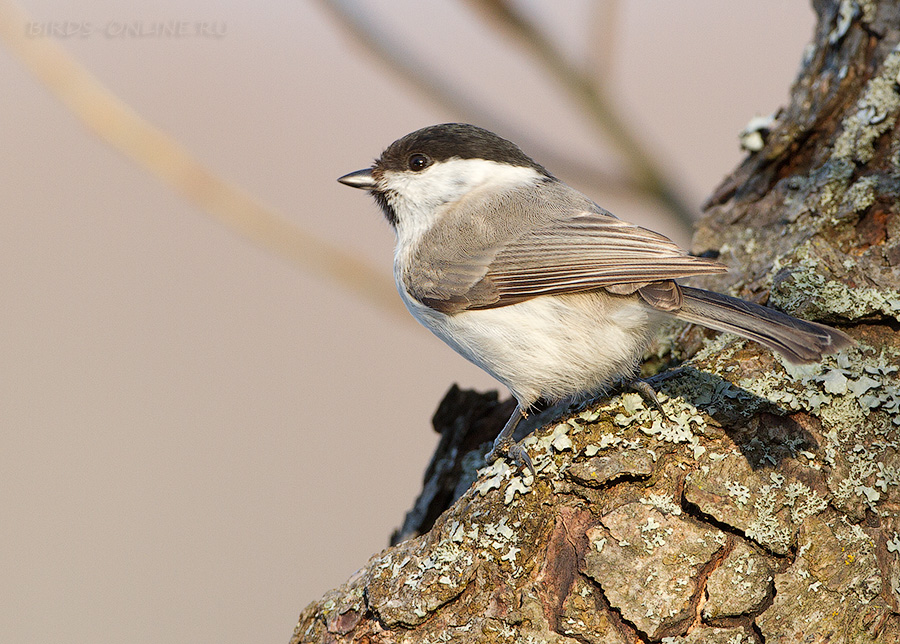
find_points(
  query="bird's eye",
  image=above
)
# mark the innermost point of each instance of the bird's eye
(418, 162)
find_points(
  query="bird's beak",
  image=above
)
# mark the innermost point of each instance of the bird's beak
(361, 179)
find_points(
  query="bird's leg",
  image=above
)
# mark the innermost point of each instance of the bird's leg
(506, 447)
(647, 392)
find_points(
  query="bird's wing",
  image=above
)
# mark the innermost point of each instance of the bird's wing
(579, 251)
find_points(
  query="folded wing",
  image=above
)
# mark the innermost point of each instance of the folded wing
(587, 250)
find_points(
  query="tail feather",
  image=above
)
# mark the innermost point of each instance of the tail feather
(797, 340)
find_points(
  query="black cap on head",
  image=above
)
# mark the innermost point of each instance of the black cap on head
(453, 140)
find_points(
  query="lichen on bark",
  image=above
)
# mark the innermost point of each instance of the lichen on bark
(767, 507)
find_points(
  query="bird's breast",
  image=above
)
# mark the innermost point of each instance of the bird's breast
(553, 346)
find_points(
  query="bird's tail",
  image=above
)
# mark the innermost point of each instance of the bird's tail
(797, 340)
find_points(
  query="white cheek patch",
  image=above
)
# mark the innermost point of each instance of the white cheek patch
(417, 196)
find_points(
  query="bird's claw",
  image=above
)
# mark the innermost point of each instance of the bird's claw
(513, 452)
(648, 393)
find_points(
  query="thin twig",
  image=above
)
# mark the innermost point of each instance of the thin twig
(601, 48)
(595, 101)
(429, 84)
(118, 125)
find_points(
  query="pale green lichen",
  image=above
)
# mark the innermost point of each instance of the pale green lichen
(803, 502)
(559, 439)
(498, 540)
(826, 192)
(606, 441)
(894, 544)
(856, 396)
(875, 114)
(740, 493)
(868, 9)
(662, 502)
(499, 471)
(861, 194)
(821, 297)
(654, 534)
(676, 427)
(712, 393)
(841, 387)
(517, 485)
(823, 191)
(397, 577)
(866, 472)
(766, 529)
(494, 476)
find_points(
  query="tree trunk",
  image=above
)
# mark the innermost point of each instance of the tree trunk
(767, 507)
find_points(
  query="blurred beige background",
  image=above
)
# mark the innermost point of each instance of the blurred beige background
(197, 438)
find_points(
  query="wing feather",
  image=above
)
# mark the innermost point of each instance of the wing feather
(577, 249)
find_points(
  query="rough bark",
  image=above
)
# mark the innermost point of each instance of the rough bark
(767, 508)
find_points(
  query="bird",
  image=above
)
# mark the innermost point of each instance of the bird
(529, 279)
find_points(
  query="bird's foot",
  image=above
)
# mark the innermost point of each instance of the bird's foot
(648, 393)
(512, 451)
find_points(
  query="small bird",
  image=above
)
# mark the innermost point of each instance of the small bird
(535, 283)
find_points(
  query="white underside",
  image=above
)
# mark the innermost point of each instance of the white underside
(551, 347)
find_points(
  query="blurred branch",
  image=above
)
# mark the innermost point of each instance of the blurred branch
(117, 124)
(601, 47)
(598, 105)
(428, 83)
